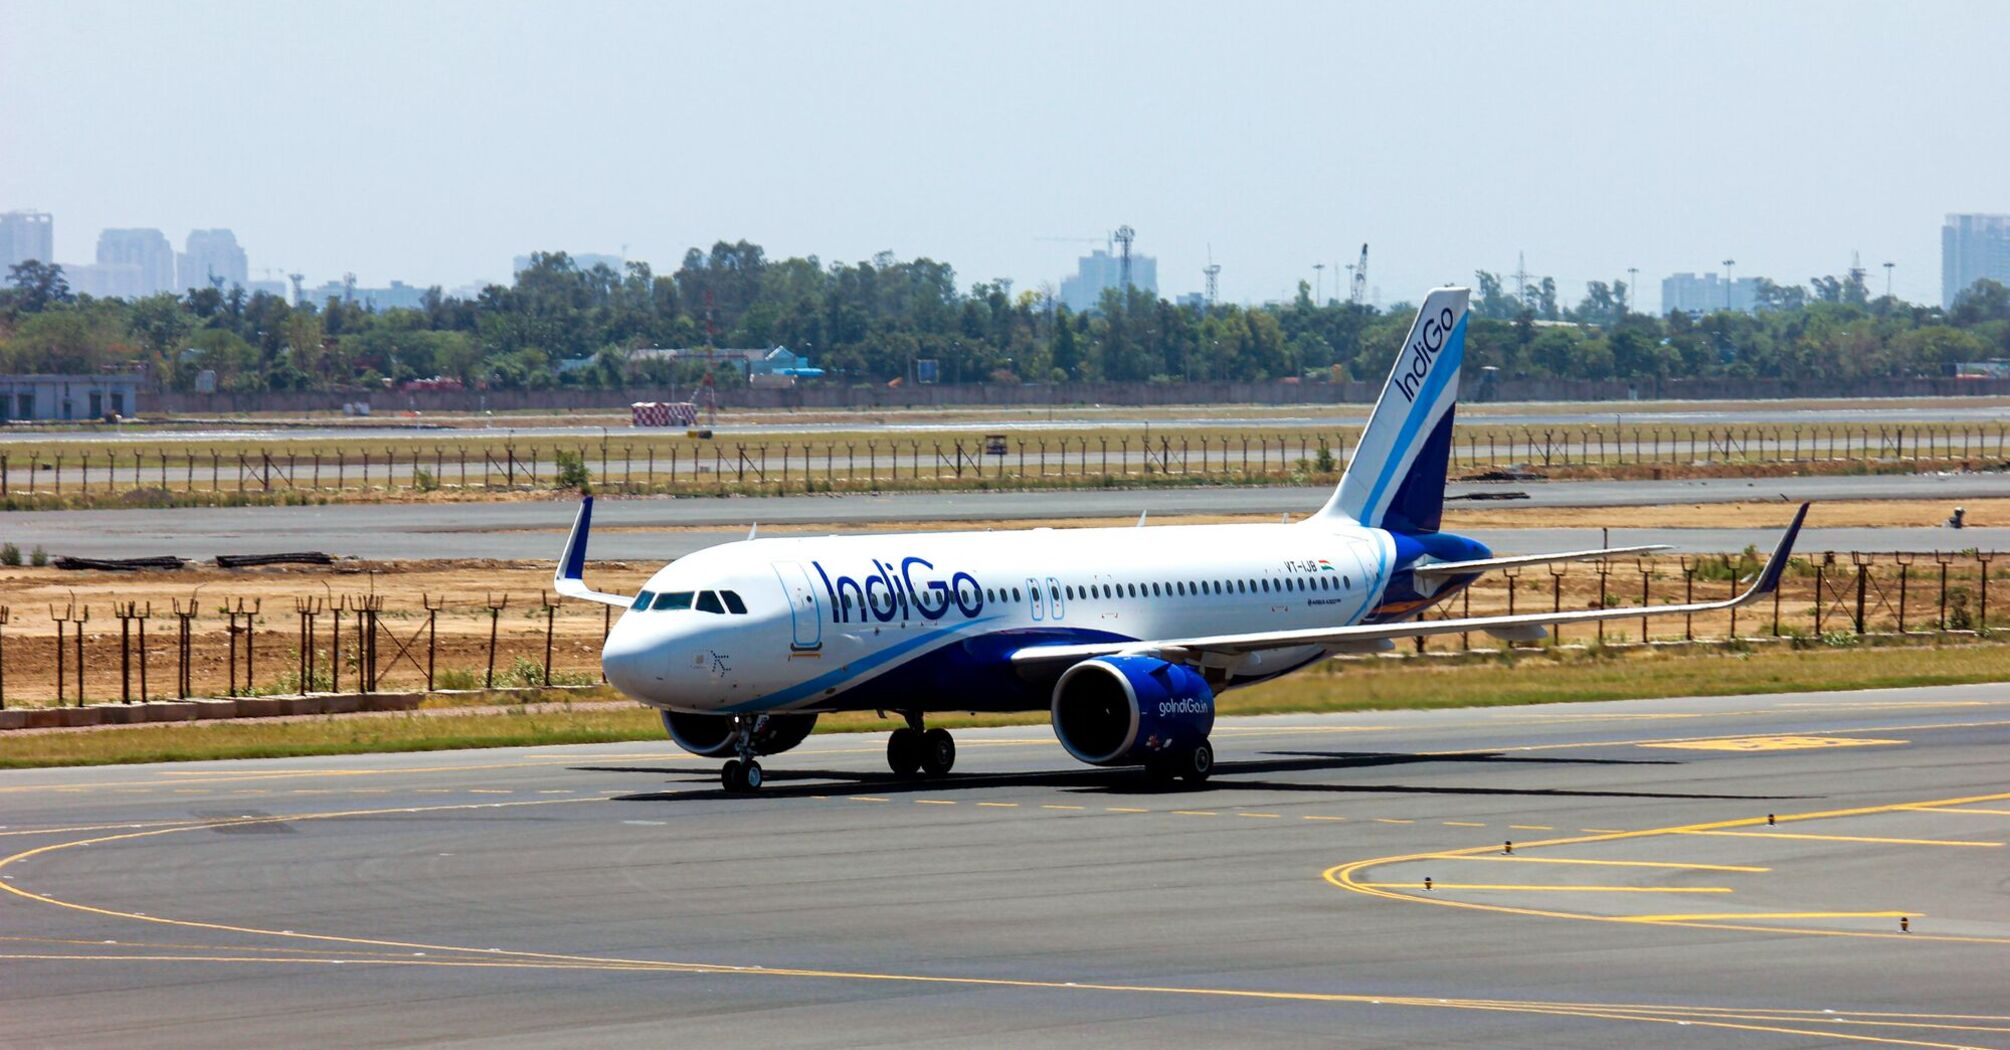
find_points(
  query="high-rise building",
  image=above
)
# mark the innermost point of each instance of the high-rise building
(1099, 270)
(147, 249)
(1708, 294)
(398, 296)
(211, 259)
(26, 235)
(1973, 247)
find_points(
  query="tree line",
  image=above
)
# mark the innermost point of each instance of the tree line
(877, 320)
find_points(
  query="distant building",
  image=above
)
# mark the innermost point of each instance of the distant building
(279, 289)
(1192, 301)
(147, 249)
(1973, 247)
(26, 235)
(211, 259)
(1708, 293)
(69, 396)
(1099, 270)
(582, 260)
(398, 296)
(106, 280)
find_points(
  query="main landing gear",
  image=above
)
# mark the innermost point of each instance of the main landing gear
(742, 775)
(1193, 766)
(915, 749)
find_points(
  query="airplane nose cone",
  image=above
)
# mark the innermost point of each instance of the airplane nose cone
(628, 661)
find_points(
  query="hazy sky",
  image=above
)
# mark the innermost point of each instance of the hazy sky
(431, 141)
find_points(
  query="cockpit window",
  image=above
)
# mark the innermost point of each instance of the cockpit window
(733, 602)
(709, 602)
(672, 600)
(643, 599)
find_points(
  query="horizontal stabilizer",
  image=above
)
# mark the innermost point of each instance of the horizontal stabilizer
(1461, 568)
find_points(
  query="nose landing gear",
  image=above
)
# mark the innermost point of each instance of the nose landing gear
(917, 749)
(742, 775)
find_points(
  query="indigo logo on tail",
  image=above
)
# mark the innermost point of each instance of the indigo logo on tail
(1431, 337)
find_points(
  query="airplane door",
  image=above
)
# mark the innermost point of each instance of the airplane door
(1034, 604)
(1054, 602)
(805, 612)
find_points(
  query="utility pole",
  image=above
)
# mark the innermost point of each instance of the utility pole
(1318, 282)
(1728, 263)
(1887, 278)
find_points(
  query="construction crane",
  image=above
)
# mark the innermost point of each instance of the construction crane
(296, 278)
(1358, 280)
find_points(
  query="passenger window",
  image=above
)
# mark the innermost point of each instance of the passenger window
(709, 602)
(1071, 592)
(672, 600)
(1015, 594)
(642, 600)
(733, 603)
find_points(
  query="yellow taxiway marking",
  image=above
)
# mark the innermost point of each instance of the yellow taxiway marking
(1559, 889)
(1775, 743)
(1195, 813)
(1601, 831)
(1000, 805)
(130, 824)
(554, 791)
(1050, 805)
(1809, 1024)
(1260, 816)
(1608, 863)
(1124, 809)
(1345, 875)
(1461, 824)
(1840, 838)
(1391, 820)
(935, 802)
(1960, 809)
(491, 791)
(1705, 916)
(1531, 827)
(868, 798)
(1314, 816)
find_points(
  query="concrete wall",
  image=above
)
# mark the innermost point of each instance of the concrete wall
(825, 395)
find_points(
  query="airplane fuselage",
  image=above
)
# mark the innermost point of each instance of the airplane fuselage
(926, 621)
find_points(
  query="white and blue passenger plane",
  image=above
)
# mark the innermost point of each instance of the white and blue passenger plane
(1125, 635)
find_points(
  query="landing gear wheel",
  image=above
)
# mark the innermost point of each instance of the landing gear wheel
(733, 776)
(938, 752)
(751, 776)
(1199, 764)
(903, 752)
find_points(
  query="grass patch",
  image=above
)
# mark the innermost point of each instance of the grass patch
(1368, 685)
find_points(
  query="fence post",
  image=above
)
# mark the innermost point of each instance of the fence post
(1862, 584)
(1646, 575)
(1556, 572)
(495, 613)
(62, 621)
(1945, 559)
(4, 611)
(1821, 588)
(308, 609)
(1604, 596)
(550, 618)
(1904, 560)
(184, 642)
(1689, 580)
(433, 606)
(366, 642)
(1982, 604)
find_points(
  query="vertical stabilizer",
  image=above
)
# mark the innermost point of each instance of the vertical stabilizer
(1396, 479)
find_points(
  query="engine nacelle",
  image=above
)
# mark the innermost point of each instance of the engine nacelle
(712, 735)
(1130, 710)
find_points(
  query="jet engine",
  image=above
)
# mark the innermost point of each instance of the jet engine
(712, 735)
(1134, 710)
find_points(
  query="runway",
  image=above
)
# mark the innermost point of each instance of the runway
(534, 529)
(610, 895)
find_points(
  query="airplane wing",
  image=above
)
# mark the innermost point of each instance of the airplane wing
(566, 578)
(1459, 568)
(1191, 650)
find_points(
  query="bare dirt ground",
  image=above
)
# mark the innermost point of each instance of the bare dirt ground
(462, 593)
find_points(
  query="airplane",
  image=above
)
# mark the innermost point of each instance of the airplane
(1124, 635)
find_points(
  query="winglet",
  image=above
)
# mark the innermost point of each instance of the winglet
(1769, 580)
(568, 578)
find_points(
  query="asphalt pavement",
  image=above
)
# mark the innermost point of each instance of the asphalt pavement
(1791, 870)
(525, 529)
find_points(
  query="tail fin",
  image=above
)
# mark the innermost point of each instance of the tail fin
(1396, 479)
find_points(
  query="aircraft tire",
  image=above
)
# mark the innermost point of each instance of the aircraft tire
(1198, 764)
(938, 752)
(732, 777)
(903, 752)
(751, 776)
